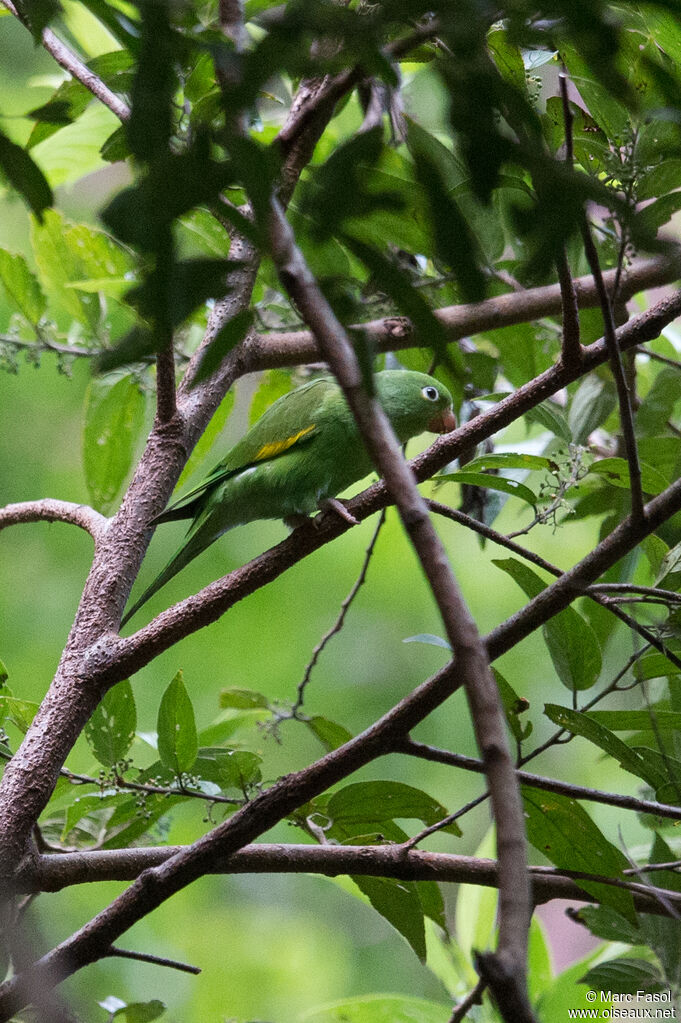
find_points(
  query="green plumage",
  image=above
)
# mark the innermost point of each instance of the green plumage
(303, 451)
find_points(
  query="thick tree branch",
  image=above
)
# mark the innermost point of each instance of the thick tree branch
(58, 871)
(50, 510)
(393, 333)
(68, 60)
(166, 403)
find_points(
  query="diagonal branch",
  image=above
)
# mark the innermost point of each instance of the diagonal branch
(481, 691)
(68, 60)
(536, 781)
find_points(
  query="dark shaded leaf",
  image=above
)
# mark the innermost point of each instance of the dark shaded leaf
(399, 903)
(631, 760)
(572, 643)
(230, 335)
(562, 830)
(24, 176)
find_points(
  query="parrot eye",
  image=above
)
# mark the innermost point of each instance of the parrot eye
(430, 393)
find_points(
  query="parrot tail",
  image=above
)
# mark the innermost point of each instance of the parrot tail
(190, 549)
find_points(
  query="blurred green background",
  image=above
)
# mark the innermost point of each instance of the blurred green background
(269, 947)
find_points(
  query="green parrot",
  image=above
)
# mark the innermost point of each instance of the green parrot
(304, 450)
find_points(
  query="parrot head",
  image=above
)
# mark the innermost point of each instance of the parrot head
(415, 402)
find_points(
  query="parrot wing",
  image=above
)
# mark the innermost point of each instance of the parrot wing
(291, 420)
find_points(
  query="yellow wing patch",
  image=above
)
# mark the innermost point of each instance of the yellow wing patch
(277, 446)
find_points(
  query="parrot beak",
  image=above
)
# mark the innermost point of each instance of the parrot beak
(443, 422)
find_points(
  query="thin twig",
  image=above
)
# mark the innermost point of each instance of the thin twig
(151, 790)
(656, 357)
(340, 620)
(474, 997)
(615, 356)
(536, 781)
(145, 957)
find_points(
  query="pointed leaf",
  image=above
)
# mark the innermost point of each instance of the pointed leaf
(114, 417)
(111, 729)
(177, 740)
(563, 831)
(572, 643)
(24, 175)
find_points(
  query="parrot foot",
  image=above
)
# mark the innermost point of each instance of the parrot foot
(332, 504)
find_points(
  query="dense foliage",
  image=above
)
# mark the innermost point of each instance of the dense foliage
(474, 191)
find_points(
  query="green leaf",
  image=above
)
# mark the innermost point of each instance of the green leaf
(330, 734)
(114, 418)
(228, 337)
(228, 768)
(22, 286)
(669, 573)
(572, 643)
(510, 460)
(616, 472)
(24, 175)
(66, 104)
(4, 675)
(591, 405)
(115, 148)
(38, 14)
(66, 252)
(177, 739)
(637, 720)
(111, 729)
(624, 976)
(373, 802)
(563, 831)
(550, 416)
(140, 1012)
(73, 152)
(578, 723)
(242, 699)
(19, 712)
(202, 230)
(604, 922)
(380, 1009)
(514, 706)
(398, 902)
(455, 244)
(491, 482)
(126, 825)
(208, 437)
(654, 665)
